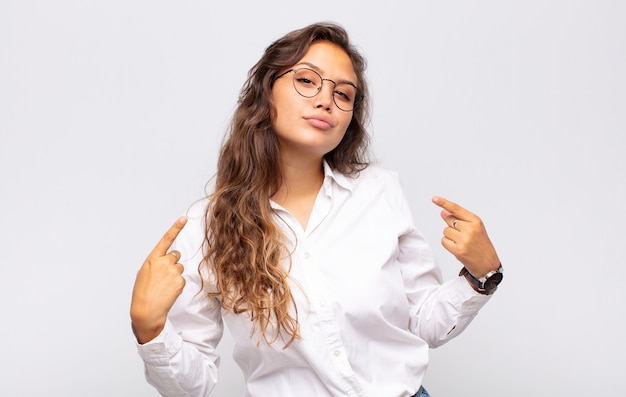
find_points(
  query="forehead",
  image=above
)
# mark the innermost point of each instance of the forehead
(330, 60)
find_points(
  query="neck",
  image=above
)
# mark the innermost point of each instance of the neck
(301, 183)
(300, 179)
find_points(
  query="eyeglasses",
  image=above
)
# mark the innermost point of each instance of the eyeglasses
(308, 83)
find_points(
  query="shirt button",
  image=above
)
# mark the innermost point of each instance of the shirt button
(337, 353)
(307, 255)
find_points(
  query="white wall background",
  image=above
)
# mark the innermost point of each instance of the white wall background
(111, 113)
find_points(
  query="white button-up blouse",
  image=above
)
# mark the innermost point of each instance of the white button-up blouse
(369, 295)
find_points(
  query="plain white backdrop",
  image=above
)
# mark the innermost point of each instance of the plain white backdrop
(111, 114)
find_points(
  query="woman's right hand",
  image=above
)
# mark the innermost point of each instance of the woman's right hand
(158, 284)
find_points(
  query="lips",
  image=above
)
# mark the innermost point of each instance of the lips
(321, 122)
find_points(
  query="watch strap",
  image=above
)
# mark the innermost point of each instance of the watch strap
(486, 285)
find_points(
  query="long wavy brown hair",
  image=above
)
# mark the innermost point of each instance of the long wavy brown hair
(246, 251)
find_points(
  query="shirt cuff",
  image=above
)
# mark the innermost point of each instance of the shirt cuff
(160, 350)
(465, 298)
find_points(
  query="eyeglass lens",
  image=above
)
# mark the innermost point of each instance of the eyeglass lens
(308, 83)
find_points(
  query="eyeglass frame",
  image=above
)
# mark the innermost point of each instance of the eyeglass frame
(357, 98)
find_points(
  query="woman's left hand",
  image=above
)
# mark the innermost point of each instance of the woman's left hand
(466, 238)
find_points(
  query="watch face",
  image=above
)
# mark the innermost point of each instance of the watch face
(493, 281)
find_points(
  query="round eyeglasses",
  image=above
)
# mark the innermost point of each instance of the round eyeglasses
(308, 83)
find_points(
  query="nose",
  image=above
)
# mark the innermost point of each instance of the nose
(324, 98)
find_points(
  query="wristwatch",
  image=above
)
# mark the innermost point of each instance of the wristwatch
(486, 285)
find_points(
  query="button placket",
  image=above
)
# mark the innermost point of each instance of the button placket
(323, 310)
(314, 286)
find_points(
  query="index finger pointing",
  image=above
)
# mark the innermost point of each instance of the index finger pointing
(452, 208)
(168, 238)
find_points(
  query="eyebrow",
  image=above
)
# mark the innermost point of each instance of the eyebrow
(317, 69)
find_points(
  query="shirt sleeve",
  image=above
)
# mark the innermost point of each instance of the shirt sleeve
(439, 310)
(447, 311)
(182, 360)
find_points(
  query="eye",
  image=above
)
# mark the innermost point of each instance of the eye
(308, 78)
(342, 95)
(345, 92)
(303, 80)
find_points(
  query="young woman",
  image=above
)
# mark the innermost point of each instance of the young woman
(307, 251)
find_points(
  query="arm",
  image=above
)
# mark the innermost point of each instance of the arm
(180, 360)
(439, 312)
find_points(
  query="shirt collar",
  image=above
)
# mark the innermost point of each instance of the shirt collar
(339, 178)
(330, 175)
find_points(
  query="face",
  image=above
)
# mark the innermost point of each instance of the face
(314, 126)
